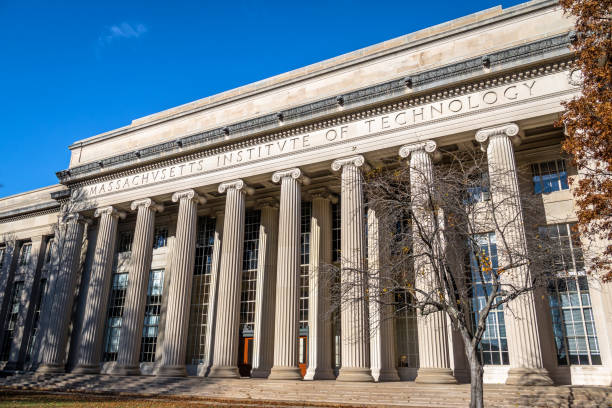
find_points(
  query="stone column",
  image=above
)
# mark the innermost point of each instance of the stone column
(265, 296)
(319, 314)
(225, 358)
(524, 345)
(286, 317)
(174, 351)
(11, 253)
(382, 336)
(90, 348)
(30, 275)
(60, 305)
(132, 322)
(211, 317)
(355, 337)
(432, 330)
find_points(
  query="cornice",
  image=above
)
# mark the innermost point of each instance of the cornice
(31, 211)
(406, 42)
(411, 88)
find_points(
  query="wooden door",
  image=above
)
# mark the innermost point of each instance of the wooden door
(303, 354)
(245, 363)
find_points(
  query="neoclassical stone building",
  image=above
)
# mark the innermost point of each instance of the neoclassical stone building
(188, 242)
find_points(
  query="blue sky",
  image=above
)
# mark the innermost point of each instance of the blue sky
(73, 69)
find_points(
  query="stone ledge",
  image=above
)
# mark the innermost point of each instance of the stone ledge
(553, 47)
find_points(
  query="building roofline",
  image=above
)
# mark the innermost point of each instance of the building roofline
(418, 38)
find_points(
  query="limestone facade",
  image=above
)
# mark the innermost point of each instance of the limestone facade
(194, 241)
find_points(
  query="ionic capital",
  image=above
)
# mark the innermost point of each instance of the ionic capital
(188, 195)
(111, 211)
(77, 218)
(356, 161)
(238, 185)
(508, 129)
(322, 194)
(269, 202)
(428, 146)
(294, 173)
(148, 204)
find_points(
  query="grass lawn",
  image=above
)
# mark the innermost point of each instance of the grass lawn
(29, 399)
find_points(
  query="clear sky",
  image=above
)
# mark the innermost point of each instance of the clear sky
(73, 69)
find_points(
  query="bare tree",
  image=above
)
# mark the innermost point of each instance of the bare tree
(451, 239)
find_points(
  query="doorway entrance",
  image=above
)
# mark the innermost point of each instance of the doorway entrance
(245, 358)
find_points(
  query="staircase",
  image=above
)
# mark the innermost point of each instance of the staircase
(262, 392)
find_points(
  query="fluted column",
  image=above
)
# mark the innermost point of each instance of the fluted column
(432, 330)
(524, 345)
(382, 336)
(286, 317)
(211, 315)
(265, 296)
(54, 355)
(90, 348)
(319, 317)
(174, 347)
(138, 279)
(355, 337)
(225, 358)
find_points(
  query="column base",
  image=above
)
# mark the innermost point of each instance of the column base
(260, 373)
(285, 373)
(86, 369)
(319, 374)
(172, 371)
(224, 372)
(355, 374)
(51, 369)
(528, 376)
(125, 370)
(387, 374)
(435, 376)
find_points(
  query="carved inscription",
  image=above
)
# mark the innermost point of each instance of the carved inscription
(398, 120)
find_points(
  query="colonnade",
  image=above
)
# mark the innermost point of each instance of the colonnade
(366, 354)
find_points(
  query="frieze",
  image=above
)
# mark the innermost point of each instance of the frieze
(403, 116)
(390, 88)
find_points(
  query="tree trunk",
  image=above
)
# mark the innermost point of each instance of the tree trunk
(476, 372)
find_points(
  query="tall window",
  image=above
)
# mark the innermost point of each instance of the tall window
(200, 294)
(336, 245)
(249, 273)
(304, 261)
(494, 344)
(478, 188)
(160, 238)
(125, 241)
(150, 328)
(49, 250)
(11, 321)
(570, 301)
(336, 228)
(25, 253)
(549, 176)
(2, 252)
(115, 316)
(407, 341)
(36, 319)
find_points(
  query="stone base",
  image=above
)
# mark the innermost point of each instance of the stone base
(224, 372)
(260, 373)
(86, 369)
(285, 373)
(51, 369)
(172, 371)
(388, 374)
(319, 374)
(355, 374)
(528, 376)
(125, 370)
(435, 376)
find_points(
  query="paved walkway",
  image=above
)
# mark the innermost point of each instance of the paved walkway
(261, 392)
